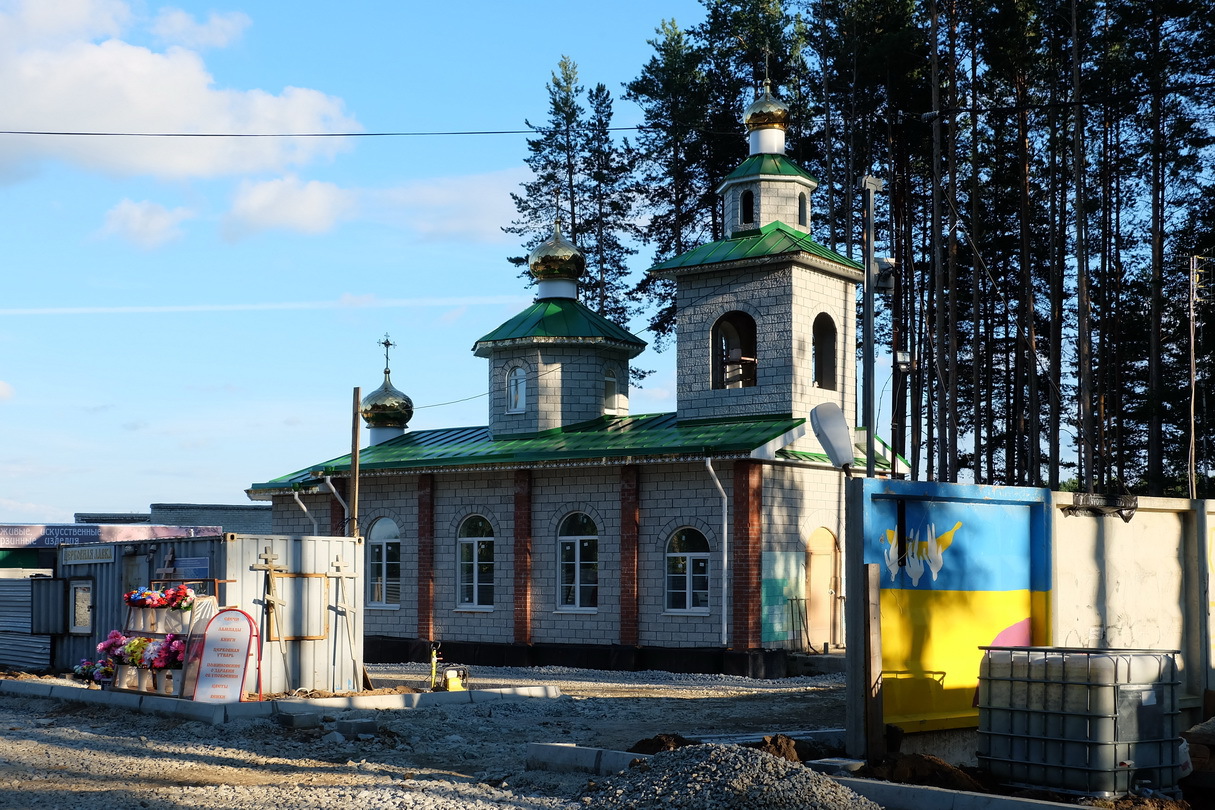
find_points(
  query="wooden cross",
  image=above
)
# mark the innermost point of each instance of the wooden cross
(271, 601)
(340, 605)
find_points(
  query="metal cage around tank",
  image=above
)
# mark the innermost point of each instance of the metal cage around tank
(1085, 721)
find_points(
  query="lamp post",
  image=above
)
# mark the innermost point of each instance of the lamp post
(869, 185)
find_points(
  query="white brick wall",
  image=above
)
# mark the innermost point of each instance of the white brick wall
(784, 300)
(796, 500)
(775, 201)
(564, 386)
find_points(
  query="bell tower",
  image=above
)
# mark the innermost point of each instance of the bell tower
(766, 314)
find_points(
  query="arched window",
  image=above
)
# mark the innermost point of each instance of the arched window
(801, 209)
(688, 571)
(734, 360)
(746, 204)
(475, 556)
(611, 402)
(516, 390)
(578, 563)
(824, 352)
(384, 563)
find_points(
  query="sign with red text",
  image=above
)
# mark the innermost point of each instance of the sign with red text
(224, 657)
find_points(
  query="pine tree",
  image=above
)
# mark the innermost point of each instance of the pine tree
(556, 188)
(671, 94)
(608, 227)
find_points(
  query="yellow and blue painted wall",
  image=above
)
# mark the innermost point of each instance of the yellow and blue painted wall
(962, 567)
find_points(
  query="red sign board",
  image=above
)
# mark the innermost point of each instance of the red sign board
(225, 656)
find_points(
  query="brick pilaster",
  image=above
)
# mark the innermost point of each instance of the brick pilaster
(630, 530)
(426, 556)
(337, 515)
(523, 556)
(746, 563)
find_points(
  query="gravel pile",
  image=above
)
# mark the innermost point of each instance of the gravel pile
(722, 777)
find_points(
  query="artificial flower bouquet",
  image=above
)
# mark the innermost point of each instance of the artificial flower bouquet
(166, 653)
(179, 597)
(145, 597)
(132, 652)
(113, 644)
(94, 671)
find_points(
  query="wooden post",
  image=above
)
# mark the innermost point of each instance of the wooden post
(354, 466)
(875, 723)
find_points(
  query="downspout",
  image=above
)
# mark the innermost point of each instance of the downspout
(725, 554)
(345, 508)
(307, 514)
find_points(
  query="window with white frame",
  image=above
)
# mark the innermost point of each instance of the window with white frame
(578, 563)
(611, 404)
(384, 564)
(516, 390)
(475, 555)
(688, 572)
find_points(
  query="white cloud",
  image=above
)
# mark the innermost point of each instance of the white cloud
(75, 74)
(180, 28)
(469, 207)
(290, 204)
(6, 391)
(147, 224)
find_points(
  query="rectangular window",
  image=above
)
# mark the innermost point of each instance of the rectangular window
(476, 574)
(687, 582)
(579, 573)
(80, 605)
(384, 572)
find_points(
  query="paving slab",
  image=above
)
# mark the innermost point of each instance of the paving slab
(219, 713)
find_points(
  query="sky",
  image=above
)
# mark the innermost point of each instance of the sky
(182, 317)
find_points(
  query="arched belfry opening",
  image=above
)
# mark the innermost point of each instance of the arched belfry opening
(734, 355)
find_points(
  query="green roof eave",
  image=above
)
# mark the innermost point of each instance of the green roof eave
(773, 239)
(653, 436)
(561, 320)
(769, 165)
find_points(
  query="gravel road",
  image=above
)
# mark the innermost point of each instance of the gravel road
(59, 754)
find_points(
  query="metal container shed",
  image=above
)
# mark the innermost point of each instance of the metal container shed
(303, 592)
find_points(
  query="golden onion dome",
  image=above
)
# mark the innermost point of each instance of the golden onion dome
(766, 111)
(386, 407)
(556, 258)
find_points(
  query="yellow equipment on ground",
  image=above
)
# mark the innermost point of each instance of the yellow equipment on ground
(451, 679)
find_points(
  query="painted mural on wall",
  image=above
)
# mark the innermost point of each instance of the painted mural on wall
(962, 567)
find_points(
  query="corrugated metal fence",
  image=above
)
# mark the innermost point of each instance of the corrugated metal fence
(18, 646)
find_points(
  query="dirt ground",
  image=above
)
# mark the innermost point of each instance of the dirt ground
(648, 717)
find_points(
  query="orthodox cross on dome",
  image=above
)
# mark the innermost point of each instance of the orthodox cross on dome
(387, 344)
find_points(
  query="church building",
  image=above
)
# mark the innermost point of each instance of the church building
(568, 530)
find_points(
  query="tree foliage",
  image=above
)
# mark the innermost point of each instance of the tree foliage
(1048, 167)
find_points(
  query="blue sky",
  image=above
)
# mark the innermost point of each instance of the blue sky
(182, 317)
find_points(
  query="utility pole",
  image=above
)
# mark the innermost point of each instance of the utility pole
(869, 186)
(1195, 289)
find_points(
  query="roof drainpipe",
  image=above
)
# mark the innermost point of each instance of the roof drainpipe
(725, 555)
(345, 507)
(307, 514)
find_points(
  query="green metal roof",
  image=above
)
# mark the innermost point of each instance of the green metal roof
(778, 165)
(608, 437)
(556, 318)
(772, 239)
